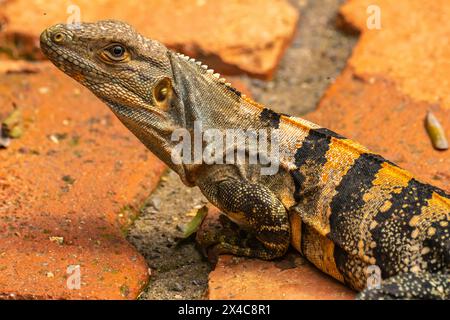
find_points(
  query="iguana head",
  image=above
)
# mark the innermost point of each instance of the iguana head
(151, 89)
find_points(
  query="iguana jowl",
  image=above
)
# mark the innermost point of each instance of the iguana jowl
(343, 207)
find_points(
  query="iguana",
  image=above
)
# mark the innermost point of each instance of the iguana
(346, 209)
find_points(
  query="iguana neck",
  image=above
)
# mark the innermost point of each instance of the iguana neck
(208, 98)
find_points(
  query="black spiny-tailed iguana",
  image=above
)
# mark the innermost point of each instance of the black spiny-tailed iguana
(344, 208)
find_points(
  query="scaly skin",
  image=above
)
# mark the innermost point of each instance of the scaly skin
(343, 207)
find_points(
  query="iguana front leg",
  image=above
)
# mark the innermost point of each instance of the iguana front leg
(257, 210)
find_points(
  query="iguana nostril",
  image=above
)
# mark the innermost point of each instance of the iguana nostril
(58, 37)
(54, 35)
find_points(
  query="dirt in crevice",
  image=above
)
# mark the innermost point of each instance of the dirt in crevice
(316, 57)
(178, 269)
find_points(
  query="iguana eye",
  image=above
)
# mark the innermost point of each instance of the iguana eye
(162, 90)
(117, 51)
(114, 53)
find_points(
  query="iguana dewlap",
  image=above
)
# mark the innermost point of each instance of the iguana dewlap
(348, 211)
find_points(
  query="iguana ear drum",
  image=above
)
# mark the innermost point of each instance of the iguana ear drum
(162, 92)
(58, 37)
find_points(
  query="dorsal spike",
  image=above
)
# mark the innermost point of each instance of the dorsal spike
(205, 67)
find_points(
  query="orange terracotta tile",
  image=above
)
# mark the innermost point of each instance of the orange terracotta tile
(412, 48)
(68, 188)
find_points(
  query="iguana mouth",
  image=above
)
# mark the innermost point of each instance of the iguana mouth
(73, 65)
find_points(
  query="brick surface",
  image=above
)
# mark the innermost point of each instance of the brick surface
(232, 36)
(411, 48)
(68, 188)
(19, 66)
(292, 278)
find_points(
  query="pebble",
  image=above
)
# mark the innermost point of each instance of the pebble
(177, 287)
(153, 255)
(44, 90)
(155, 202)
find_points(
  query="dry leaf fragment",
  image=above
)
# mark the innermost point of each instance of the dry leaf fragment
(436, 132)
